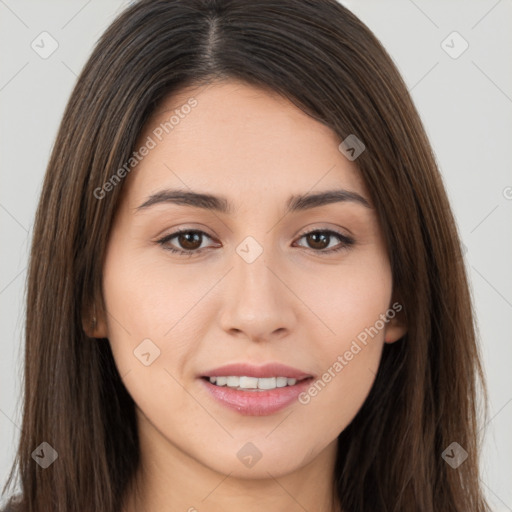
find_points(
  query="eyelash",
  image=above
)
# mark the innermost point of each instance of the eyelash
(346, 242)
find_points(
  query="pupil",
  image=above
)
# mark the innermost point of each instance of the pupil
(316, 244)
(187, 240)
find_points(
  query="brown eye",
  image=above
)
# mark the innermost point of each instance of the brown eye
(320, 240)
(189, 240)
(185, 241)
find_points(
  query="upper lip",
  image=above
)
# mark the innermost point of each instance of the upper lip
(249, 370)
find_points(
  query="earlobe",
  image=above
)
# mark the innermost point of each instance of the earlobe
(396, 325)
(395, 333)
(394, 330)
(94, 324)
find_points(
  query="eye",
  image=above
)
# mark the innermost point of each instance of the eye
(190, 241)
(320, 240)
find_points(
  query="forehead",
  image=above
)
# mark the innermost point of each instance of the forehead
(239, 140)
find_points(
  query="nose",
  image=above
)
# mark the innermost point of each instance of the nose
(258, 305)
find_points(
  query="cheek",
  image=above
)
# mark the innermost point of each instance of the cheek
(347, 373)
(349, 350)
(146, 309)
(148, 297)
(348, 299)
(148, 312)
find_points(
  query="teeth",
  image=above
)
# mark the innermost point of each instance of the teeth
(252, 383)
(233, 382)
(268, 383)
(281, 382)
(221, 381)
(248, 382)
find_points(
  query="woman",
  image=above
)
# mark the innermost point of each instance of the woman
(216, 161)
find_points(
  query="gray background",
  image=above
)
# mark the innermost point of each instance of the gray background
(465, 104)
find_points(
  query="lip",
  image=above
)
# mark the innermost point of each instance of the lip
(256, 403)
(248, 370)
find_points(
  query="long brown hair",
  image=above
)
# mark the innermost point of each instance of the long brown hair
(328, 63)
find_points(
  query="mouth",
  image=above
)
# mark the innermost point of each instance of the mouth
(256, 390)
(254, 384)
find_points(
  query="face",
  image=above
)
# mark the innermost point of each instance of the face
(291, 292)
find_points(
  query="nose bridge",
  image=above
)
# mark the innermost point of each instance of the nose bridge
(255, 281)
(258, 303)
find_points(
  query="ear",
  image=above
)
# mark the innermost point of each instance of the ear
(396, 327)
(94, 323)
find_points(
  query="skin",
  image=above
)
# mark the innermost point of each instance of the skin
(256, 149)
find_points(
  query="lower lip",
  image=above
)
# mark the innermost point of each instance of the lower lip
(257, 403)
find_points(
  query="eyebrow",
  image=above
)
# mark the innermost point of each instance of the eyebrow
(220, 204)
